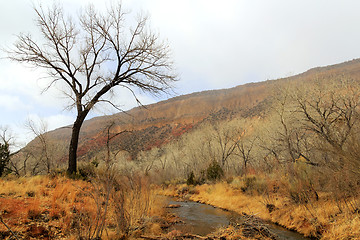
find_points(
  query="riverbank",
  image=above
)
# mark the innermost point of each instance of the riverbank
(206, 220)
(320, 219)
(56, 207)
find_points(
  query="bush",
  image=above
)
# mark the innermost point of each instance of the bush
(214, 172)
(4, 157)
(301, 192)
(249, 183)
(191, 179)
(237, 183)
(86, 171)
(253, 184)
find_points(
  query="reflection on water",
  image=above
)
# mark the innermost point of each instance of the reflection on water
(202, 219)
(199, 218)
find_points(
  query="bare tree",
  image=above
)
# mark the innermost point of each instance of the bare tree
(224, 140)
(287, 130)
(44, 153)
(332, 114)
(19, 164)
(245, 147)
(110, 158)
(93, 55)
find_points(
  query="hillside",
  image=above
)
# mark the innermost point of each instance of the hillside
(287, 150)
(164, 121)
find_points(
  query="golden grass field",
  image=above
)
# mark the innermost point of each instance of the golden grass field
(44, 207)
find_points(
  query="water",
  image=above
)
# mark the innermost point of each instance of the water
(202, 219)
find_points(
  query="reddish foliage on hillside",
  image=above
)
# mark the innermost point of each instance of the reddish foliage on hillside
(161, 122)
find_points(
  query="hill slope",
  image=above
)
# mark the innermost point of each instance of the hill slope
(164, 121)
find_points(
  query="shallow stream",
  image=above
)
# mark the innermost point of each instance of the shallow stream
(202, 219)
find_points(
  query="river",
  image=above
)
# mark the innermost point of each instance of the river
(202, 219)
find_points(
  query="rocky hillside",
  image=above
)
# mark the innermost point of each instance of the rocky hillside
(159, 123)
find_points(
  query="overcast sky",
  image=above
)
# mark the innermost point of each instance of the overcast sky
(215, 44)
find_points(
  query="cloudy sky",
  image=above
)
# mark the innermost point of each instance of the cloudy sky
(215, 44)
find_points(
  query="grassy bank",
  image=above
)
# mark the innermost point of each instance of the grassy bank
(44, 207)
(321, 218)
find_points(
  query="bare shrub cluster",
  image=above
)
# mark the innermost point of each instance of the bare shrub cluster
(122, 204)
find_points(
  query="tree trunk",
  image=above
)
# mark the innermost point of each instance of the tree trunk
(75, 141)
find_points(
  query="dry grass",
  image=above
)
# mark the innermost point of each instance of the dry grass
(41, 200)
(42, 207)
(222, 195)
(344, 227)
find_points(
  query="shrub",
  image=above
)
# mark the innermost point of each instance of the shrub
(253, 184)
(86, 171)
(191, 179)
(214, 171)
(4, 157)
(249, 183)
(237, 183)
(301, 192)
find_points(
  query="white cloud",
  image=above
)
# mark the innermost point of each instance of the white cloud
(13, 103)
(59, 120)
(52, 121)
(219, 45)
(22, 135)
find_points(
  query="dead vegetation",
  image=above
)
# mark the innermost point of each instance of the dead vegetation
(45, 207)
